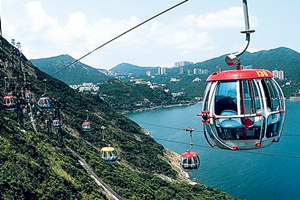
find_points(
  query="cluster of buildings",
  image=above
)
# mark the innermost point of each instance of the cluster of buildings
(278, 74)
(93, 88)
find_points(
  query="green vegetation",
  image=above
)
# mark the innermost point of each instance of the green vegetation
(129, 97)
(33, 166)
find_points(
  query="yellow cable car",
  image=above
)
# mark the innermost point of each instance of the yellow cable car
(109, 155)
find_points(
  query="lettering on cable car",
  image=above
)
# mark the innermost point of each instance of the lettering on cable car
(262, 73)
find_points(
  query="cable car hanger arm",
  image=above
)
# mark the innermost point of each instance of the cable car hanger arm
(232, 58)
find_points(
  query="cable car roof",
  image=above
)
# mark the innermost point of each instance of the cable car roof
(240, 74)
(189, 154)
(8, 97)
(107, 149)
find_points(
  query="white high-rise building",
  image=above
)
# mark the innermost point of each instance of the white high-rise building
(161, 70)
(278, 74)
(182, 63)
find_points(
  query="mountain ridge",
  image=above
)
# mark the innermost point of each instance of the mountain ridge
(76, 74)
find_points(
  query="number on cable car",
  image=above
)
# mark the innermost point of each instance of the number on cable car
(44, 103)
(242, 109)
(9, 102)
(109, 155)
(189, 161)
(86, 126)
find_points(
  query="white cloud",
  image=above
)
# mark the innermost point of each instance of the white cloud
(225, 18)
(38, 16)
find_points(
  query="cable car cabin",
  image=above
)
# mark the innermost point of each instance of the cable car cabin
(25, 111)
(109, 155)
(242, 109)
(28, 95)
(189, 161)
(56, 123)
(10, 103)
(86, 126)
(42, 126)
(44, 103)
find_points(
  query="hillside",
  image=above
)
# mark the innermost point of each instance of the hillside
(131, 97)
(125, 68)
(35, 166)
(76, 74)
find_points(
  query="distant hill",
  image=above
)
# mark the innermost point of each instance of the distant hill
(281, 58)
(125, 68)
(76, 74)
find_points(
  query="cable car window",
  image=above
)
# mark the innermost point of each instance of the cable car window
(248, 97)
(226, 97)
(206, 93)
(267, 93)
(104, 154)
(275, 94)
(256, 97)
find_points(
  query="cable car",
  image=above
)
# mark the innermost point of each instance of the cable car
(86, 126)
(10, 102)
(28, 95)
(242, 109)
(109, 155)
(44, 103)
(57, 123)
(25, 111)
(42, 126)
(189, 161)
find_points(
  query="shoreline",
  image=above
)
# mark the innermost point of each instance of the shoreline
(159, 107)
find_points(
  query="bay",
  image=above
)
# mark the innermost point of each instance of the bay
(244, 175)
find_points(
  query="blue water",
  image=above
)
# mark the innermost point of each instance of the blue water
(247, 176)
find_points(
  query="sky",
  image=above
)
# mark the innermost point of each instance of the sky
(195, 31)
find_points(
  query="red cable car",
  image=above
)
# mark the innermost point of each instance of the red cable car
(42, 126)
(86, 126)
(189, 161)
(10, 102)
(243, 109)
(28, 95)
(44, 103)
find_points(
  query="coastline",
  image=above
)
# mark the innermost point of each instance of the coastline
(158, 107)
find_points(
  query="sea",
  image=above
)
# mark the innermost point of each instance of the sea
(273, 173)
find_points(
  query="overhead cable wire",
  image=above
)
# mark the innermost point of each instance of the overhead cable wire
(169, 127)
(201, 131)
(241, 151)
(102, 45)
